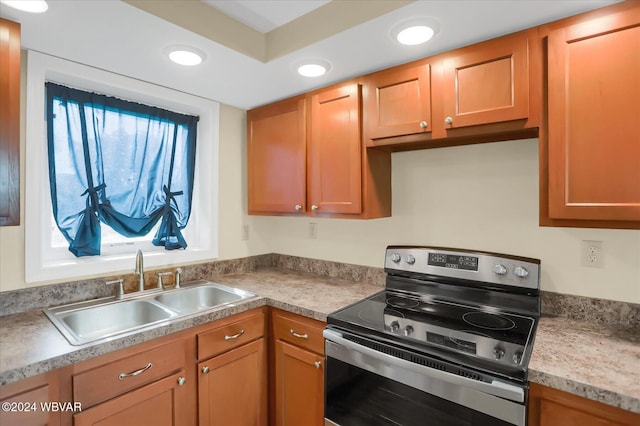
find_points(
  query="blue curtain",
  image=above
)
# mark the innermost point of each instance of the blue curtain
(118, 163)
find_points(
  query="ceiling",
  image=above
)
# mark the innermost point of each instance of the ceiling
(265, 16)
(252, 47)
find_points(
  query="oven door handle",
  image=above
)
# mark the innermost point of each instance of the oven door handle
(496, 388)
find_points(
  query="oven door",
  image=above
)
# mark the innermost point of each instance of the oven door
(366, 387)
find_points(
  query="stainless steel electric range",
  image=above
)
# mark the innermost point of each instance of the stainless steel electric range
(446, 343)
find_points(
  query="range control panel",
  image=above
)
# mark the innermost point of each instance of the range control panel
(463, 264)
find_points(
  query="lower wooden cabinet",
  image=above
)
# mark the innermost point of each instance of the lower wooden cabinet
(232, 388)
(23, 401)
(298, 370)
(299, 386)
(161, 403)
(552, 407)
(221, 373)
(232, 385)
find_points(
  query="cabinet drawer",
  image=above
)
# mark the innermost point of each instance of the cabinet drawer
(230, 335)
(300, 331)
(113, 379)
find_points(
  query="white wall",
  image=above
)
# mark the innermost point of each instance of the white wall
(482, 197)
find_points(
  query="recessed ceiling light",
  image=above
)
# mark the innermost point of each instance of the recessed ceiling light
(414, 31)
(415, 35)
(312, 67)
(311, 70)
(31, 6)
(185, 55)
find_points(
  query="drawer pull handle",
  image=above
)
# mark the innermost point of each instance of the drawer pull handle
(235, 336)
(300, 336)
(318, 364)
(181, 381)
(123, 376)
(205, 370)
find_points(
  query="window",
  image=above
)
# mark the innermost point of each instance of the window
(118, 163)
(47, 255)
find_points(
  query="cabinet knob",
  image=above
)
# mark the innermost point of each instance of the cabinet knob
(318, 364)
(314, 207)
(448, 121)
(424, 124)
(181, 381)
(205, 370)
(298, 207)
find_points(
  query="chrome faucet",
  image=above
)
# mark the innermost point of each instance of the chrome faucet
(140, 270)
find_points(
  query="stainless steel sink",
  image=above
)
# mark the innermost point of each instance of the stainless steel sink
(194, 299)
(104, 319)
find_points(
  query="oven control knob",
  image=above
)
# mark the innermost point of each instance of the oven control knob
(517, 357)
(395, 257)
(500, 269)
(410, 259)
(498, 352)
(408, 330)
(521, 272)
(394, 326)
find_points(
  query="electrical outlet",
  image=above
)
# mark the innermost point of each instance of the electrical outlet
(245, 233)
(313, 230)
(592, 254)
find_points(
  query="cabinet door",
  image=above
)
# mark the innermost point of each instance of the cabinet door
(21, 401)
(299, 389)
(486, 83)
(335, 151)
(594, 111)
(398, 102)
(551, 407)
(232, 387)
(9, 122)
(160, 403)
(276, 158)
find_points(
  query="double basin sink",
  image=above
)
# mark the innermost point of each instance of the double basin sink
(105, 319)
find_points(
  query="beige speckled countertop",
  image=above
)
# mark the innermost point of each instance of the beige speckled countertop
(594, 361)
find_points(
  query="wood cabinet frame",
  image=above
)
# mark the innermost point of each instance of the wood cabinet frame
(620, 15)
(9, 123)
(521, 53)
(371, 197)
(552, 407)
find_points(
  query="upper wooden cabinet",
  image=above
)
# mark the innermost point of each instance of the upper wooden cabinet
(398, 102)
(276, 157)
(487, 82)
(9, 122)
(590, 159)
(335, 151)
(305, 156)
(481, 93)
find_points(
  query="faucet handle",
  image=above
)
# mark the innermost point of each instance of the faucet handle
(120, 288)
(178, 274)
(160, 275)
